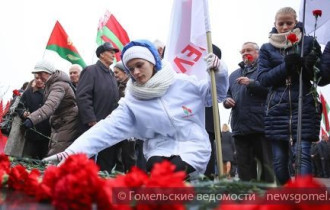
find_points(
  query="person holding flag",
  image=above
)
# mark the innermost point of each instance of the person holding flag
(163, 108)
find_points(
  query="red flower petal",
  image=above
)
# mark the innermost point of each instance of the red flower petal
(317, 13)
(292, 37)
(16, 92)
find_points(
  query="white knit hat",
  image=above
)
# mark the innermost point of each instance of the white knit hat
(44, 66)
(138, 52)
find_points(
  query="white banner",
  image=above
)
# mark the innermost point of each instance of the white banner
(186, 44)
(323, 23)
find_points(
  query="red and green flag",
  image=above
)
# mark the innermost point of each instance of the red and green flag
(325, 125)
(60, 42)
(110, 30)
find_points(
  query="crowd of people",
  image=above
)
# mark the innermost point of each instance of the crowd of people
(142, 112)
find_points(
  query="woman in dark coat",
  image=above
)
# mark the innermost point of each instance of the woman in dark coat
(36, 144)
(228, 149)
(279, 64)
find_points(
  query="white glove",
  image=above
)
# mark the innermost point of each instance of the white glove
(59, 158)
(212, 61)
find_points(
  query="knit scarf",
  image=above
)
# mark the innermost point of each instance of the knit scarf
(155, 87)
(280, 40)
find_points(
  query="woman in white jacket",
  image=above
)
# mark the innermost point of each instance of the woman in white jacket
(163, 108)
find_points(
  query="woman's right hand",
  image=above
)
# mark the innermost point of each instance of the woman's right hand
(59, 158)
(26, 114)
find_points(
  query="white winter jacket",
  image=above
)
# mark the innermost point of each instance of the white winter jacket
(173, 124)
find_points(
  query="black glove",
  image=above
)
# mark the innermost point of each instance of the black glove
(292, 63)
(28, 123)
(309, 62)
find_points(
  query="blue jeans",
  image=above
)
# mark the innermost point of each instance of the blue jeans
(281, 159)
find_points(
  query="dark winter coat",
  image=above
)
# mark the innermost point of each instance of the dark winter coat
(227, 146)
(97, 93)
(247, 117)
(323, 150)
(282, 102)
(325, 66)
(31, 100)
(61, 109)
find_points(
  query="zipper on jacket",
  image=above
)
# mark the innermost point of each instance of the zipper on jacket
(288, 83)
(269, 99)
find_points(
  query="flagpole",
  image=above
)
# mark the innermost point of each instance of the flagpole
(216, 115)
(298, 146)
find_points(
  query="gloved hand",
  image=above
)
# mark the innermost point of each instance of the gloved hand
(292, 63)
(28, 123)
(212, 61)
(309, 61)
(58, 158)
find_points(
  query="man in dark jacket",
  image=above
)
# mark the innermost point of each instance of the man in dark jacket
(324, 155)
(126, 148)
(97, 96)
(247, 98)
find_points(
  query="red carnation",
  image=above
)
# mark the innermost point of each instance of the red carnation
(248, 57)
(317, 13)
(32, 182)
(4, 163)
(45, 190)
(292, 37)
(136, 177)
(17, 177)
(16, 92)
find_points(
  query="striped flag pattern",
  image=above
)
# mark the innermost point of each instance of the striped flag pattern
(60, 42)
(110, 30)
(325, 126)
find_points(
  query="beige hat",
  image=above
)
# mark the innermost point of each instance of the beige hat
(44, 66)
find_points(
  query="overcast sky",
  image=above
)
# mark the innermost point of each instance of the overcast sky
(26, 27)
